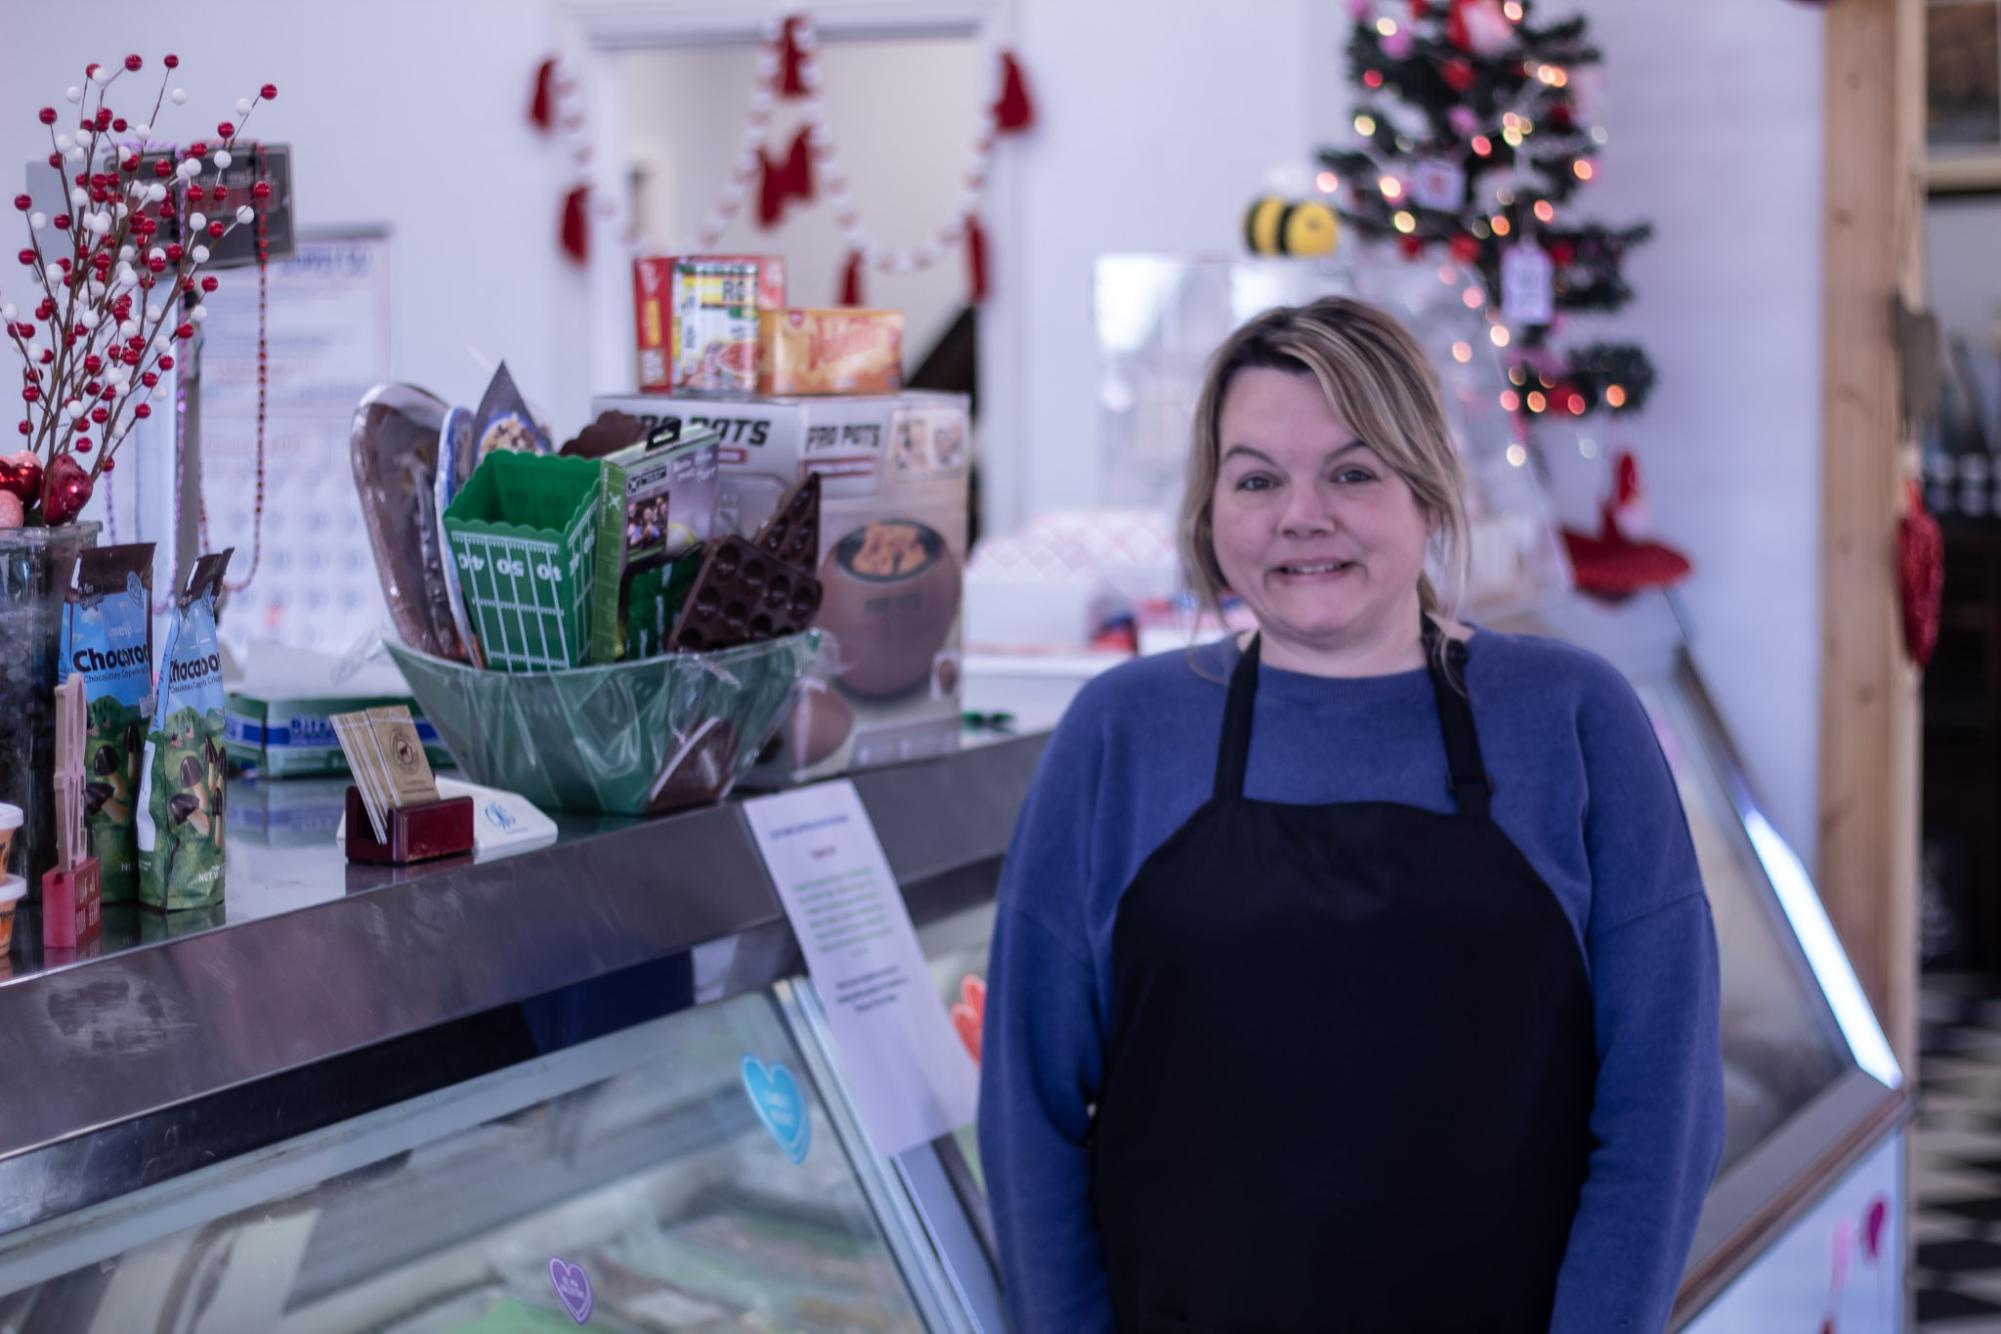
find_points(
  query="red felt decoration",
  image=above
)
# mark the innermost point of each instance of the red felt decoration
(792, 62)
(575, 233)
(781, 182)
(1920, 576)
(976, 259)
(1613, 565)
(542, 106)
(1013, 112)
(851, 280)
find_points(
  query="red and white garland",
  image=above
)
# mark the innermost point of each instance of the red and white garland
(788, 67)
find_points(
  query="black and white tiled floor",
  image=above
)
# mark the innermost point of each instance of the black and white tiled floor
(1956, 1169)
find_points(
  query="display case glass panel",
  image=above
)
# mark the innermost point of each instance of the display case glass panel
(690, 1173)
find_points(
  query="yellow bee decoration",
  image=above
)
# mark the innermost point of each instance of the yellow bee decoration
(1277, 226)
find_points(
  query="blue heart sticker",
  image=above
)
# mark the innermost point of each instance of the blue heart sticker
(780, 1105)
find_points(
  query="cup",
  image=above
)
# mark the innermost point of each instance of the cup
(10, 830)
(12, 890)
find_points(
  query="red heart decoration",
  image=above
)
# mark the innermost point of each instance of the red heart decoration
(21, 477)
(1920, 576)
(970, 1013)
(65, 490)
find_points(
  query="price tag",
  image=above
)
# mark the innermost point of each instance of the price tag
(1436, 183)
(1527, 284)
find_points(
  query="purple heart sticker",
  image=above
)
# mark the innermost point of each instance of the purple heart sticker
(573, 1287)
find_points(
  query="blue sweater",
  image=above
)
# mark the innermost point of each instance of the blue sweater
(1580, 786)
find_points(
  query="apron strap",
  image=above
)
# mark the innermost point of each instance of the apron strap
(1233, 752)
(1471, 789)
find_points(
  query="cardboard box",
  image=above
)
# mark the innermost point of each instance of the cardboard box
(692, 310)
(841, 351)
(290, 736)
(893, 474)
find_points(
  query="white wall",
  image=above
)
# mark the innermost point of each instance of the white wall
(1714, 111)
(903, 116)
(413, 115)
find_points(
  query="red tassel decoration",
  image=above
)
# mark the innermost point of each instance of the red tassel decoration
(851, 280)
(1920, 576)
(780, 183)
(542, 106)
(976, 259)
(575, 235)
(1013, 112)
(799, 168)
(791, 79)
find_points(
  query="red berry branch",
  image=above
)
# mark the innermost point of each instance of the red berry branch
(115, 288)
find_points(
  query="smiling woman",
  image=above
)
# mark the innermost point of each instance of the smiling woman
(1321, 475)
(1302, 981)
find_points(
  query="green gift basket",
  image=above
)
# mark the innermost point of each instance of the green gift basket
(626, 738)
(524, 539)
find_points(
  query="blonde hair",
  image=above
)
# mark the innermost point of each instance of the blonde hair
(1378, 381)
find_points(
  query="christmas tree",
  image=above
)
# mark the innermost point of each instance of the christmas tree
(1473, 143)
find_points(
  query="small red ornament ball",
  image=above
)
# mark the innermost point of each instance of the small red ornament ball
(133, 63)
(100, 415)
(109, 464)
(216, 229)
(171, 61)
(93, 364)
(174, 253)
(209, 284)
(224, 129)
(47, 115)
(166, 363)
(26, 257)
(163, 169)
(268, 91)
(261, 190)
(149, 379)
(24, 202)
(185, 331)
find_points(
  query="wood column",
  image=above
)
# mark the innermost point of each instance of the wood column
(1874, 249)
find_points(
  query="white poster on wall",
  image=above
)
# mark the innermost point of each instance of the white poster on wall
(327, 339)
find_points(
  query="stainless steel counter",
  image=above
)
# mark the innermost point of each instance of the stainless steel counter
(109, 1058)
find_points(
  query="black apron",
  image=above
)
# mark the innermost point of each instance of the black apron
(1351, 1067)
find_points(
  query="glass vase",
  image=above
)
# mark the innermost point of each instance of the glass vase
(35, 570)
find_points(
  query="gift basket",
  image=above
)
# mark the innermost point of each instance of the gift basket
(571, 622)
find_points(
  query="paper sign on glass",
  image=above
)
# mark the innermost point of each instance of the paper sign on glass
(905, 1069)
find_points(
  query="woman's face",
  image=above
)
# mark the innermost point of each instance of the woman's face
(1322, 541)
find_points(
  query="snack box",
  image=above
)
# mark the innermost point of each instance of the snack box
(830, 351)
(696, 319)
(891, 556)
(283, 735)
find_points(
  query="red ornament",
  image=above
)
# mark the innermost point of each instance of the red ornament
(261, 190)
(61, 221)
(216, 229)
(142, 411)
(541, 102)
(851, 279)
(1411, 246)
(47, 115)
(157, 263)
(784, 181)
(163, 169)
(171, 61)
(1466, 248)
(93, 364)
(1613, 565)
(268, 92)
(198, 149)
(208, 284)
(186, 331)
(23, 202)
(1372, 78)
(1420, 9)
(1562, 252)
(1920, 576)
(21, 475)
(149, 379)
(30, 394)
(1013, 112)
(1562, 117)
(225, 130)
(133, 63)
(1458, 74)
(976, 259)
(166, 363)
(65, 490)
(792, 61)
(108, 464)
(574, 232)
(174, 253)
(100, 415)
(195, 195)
(81, 445)
(26, 257)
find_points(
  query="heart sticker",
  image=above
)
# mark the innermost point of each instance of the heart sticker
(969, 1012)
(573, 1288)
(780, 1105)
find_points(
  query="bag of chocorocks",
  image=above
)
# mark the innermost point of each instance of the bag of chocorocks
(181, 799)
(108, 641)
